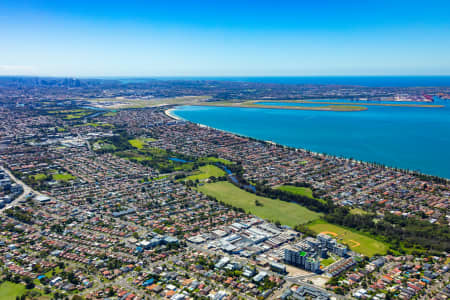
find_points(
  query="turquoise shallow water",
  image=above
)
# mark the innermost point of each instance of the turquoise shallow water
(405, 137)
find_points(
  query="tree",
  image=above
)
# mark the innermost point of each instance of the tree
(72, 278)
(29, 283)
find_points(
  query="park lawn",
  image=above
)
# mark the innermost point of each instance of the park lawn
(53, 272)
(357, 242)
(106, 125)
(327, 261)
(155, 158)
(63, 177)
(110, 114)
(274, 210)
(212, 159)
(140, 142)
(135, 156)
(67, 111)
(358, 211)
(76, 115)
(10, 290)
(297, 190)
(182, 166)
(104, 146)
(303, 191)
(205, 172)
(39, 177)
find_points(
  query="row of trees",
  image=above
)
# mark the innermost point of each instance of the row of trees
(265, 191)
(311, 203)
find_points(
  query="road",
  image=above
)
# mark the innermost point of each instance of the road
(86, 141)
(26, 190)
(300, 282)
(122, 280)
(289, 279)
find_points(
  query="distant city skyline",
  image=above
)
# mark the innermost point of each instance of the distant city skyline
(232, 38)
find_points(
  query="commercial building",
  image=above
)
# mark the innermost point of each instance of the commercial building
(301, 259)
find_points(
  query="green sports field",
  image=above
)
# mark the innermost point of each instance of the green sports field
(205, 172)
(297, 190)
(304, 191)
(275, 210)
(211, 159)
(140, 143)
(356, 241)
(9, 290)
(39, 176)
(63, 177)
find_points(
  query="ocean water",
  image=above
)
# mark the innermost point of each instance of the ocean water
(370, 81)
(404, 137)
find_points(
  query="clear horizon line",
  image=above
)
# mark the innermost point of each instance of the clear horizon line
(219, 76)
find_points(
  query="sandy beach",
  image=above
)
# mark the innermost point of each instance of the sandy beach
(169, 113)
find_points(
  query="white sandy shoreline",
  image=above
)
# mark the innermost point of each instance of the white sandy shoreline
(169, 113)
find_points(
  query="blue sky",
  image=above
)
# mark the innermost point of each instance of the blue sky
(224, 38)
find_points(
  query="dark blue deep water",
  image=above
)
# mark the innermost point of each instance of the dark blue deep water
(405, 137)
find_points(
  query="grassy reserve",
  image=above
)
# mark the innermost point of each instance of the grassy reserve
(110, 114)
(156, 158)
(275, 210)
(355, 241)
(140, 143)
(303, 191)
(63, 177)
(39, 176)
(75, 116)
(9, 290)
(204, 172)
(106, 125)
(53, 272)
(212, 159)
(54, 176)
(358, 211)
(102, 145)
(327, 261)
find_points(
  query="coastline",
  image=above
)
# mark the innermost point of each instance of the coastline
(169, 113)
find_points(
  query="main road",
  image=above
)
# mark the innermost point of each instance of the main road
(26, 190)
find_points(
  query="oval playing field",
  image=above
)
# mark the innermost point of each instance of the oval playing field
(355, 241)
